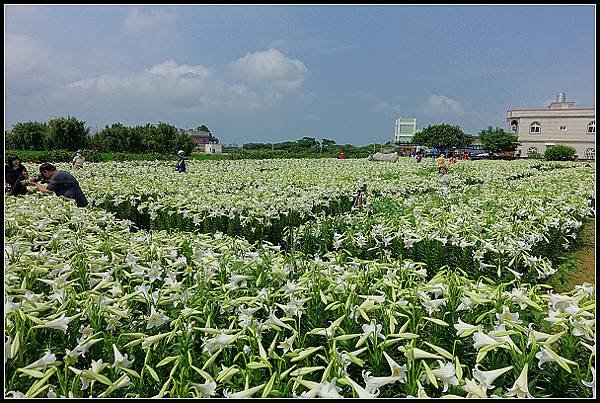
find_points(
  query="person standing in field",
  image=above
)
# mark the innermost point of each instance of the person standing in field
(441, 162)
(445, 180)
(465, 156)
(78, 160)
(61, 183)
(181, 163)
(14, 174)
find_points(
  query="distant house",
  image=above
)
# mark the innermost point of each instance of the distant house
(560, 123)
(201, 137)
(213, 149)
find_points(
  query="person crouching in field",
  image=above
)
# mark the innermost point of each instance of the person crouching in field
(14, 174)
(61, 183)
(181, 163)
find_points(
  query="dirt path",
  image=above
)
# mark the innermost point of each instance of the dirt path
(585, 257)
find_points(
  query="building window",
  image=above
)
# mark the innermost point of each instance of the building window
(592, 127)
(590, 153)
(514, 126)
(532, 150)
(535, 127)
(563, 128)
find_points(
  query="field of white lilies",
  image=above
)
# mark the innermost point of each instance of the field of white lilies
(258, 278)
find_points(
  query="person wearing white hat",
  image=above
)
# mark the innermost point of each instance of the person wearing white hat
(181, 163)
(78, 160)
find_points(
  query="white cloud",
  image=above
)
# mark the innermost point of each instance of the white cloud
(272, 68)
(442, 106)
(385, 106)
(139, 20)
(180, 86)
(31, 67)
(320, 46)
(25, 55)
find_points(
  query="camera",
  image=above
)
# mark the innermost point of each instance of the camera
(36, 178)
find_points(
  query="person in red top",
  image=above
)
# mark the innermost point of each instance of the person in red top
(465, 156)
(342, 157)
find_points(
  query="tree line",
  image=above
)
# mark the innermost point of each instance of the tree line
(447, 137)
(72, 134)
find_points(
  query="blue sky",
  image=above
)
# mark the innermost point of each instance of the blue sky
(275, 73)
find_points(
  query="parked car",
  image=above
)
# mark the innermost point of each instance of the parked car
(479, 156)
(505, 155)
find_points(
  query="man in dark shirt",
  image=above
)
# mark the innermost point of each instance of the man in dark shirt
(61, 183)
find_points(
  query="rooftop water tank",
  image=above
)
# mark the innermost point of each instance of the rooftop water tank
(562, 97)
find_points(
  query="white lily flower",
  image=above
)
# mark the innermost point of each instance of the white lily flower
(520, 387)
(47, 359)
(360, 391)
(287, 344)
(543, 357)
(474, 390)
(156, 318)
(592, 384)
(466, 303)
(61, 323)
(464, 329)
(538, 336)
(329, 390)
(242, 393)
(506, 315)
(482, 340)
(487, 378)
(206, 389)
(433, 305)
(120, 360)
(446, 373)
(218, 342)
(396, 370)
(373, 330)
(373, 383)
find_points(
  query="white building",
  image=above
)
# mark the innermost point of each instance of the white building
(405, 129)
(560, 123)
(213, 148)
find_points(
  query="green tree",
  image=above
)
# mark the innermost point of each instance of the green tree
(66, 133)
(308, 143)
(203, 128)
(496, 140)
(442, 136)
(560, 152)
(184, 142)
(114, 138)
(27, 136)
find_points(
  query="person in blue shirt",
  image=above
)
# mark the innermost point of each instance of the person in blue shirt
(181, 163)
(60, 183)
